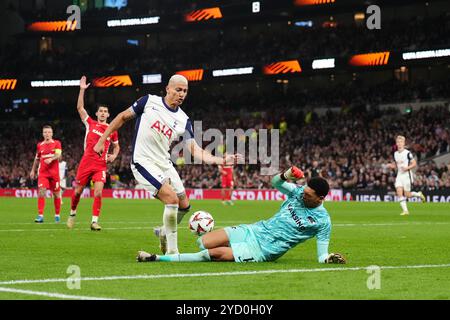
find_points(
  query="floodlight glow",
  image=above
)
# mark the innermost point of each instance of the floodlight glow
(232, 72)
(323, 63)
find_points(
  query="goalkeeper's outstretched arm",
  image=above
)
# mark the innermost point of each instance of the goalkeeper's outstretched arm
(279, 181)
(324, 257)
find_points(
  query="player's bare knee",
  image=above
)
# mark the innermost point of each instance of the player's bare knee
(170, 198)
(78, 190)
(97, 193)
(215, 254)
(221, 254)
(57, 194)
(42, 192)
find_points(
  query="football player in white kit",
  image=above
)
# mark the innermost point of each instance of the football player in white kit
(404, 162)
(160, 121)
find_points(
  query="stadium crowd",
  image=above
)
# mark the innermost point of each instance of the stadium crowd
(350, 148)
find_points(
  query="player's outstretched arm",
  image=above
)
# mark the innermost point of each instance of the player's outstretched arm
(80, 103)
(323, 240)
(208, 158)
(116, 124)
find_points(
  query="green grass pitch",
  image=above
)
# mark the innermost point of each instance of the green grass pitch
(415, 249)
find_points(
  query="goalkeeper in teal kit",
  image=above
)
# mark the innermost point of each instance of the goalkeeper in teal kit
(302, 216)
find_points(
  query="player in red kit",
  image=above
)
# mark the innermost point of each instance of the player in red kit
(47, 154)
(92, 166)
(226, 172)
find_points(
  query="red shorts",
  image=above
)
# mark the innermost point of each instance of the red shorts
(49, 182)
(227, 183)
(89, 170)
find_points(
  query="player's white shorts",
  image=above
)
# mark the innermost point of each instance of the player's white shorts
(63, 183)
(152, 177)
(404, 181)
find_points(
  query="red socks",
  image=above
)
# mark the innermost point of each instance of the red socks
(41, 205)
(57, 202)
(75, 200)
(97, 206)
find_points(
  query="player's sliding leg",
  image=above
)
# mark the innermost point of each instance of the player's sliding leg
(73, 205)
(96, 207)
(184, 257)
(215, 254)
(171, 202)
(402, 200)
(214, 239)
(41, 205)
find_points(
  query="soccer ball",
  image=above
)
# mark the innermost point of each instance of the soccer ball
(201, 222)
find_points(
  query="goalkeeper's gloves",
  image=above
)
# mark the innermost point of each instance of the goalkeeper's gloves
(335, 258)
(293, 173)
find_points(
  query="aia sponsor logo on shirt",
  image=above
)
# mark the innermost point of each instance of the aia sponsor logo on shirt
(162, 128)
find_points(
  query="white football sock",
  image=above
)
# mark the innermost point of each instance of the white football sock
(403, 204)
(170, 227)
(415, 194)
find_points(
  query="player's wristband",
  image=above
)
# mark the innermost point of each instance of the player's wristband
(286, 175)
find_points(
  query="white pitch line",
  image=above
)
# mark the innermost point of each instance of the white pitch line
(156, 223)
(218, 274)
(52, 295)
(223, 225)
(86, 229)
(386, 224)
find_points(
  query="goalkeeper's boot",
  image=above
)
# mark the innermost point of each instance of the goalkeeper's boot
(71, 221)
(95, 226)
(404, 213)
(39, 219)
(145, 257)
(57, 218)
(159, 232)
(422, 196)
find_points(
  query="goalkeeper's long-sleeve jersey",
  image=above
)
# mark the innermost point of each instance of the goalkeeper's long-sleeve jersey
(292, 224)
